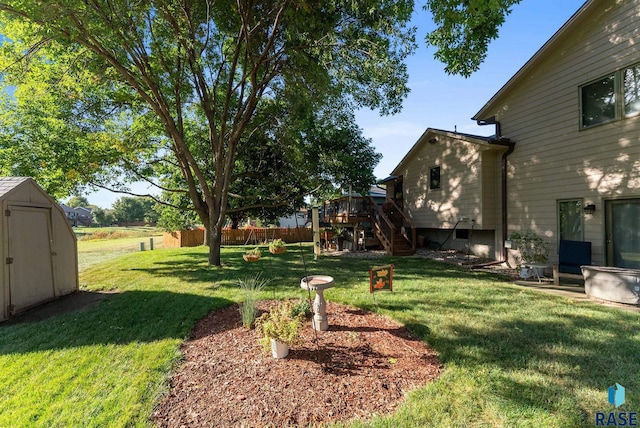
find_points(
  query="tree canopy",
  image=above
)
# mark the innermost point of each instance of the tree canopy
(206, 98)
(464, 30)
(193, 84)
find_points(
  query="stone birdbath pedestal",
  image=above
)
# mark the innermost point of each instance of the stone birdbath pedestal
(318, 283)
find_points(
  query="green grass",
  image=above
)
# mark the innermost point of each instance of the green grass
(94, 251)
(511, 356)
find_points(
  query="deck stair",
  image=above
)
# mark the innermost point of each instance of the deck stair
(394, 229)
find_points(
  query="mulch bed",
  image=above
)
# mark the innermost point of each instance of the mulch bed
(362, 366)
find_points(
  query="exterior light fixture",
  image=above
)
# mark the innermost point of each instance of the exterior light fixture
(589, 209)
(433, 140)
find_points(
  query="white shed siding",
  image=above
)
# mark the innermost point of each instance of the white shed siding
(553, 158)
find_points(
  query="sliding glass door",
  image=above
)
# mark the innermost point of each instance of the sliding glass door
(623, 233)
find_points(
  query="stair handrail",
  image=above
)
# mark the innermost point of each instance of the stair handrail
(387, 241)
(406, 221)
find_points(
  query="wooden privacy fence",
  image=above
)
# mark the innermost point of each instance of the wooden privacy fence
(193, 238)
(256, 236)
(183, 238)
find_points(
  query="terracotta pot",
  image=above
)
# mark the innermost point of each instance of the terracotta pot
(278, 250)
(250, 258)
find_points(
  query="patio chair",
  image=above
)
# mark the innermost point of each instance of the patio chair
(571, 255)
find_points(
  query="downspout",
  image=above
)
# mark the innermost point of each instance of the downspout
(502, 141)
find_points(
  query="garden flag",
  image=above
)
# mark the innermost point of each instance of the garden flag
(381, 278)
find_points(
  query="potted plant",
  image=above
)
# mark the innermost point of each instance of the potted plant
(533, 251)
(340, 235)
(277, 246)
(252, 255)
(280, 329)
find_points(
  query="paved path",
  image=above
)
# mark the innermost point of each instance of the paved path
(575, 292)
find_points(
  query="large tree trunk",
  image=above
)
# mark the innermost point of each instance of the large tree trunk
(215, 240)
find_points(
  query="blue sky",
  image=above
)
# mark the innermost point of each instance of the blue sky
(438, 100)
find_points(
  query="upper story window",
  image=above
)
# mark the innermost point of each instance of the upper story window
(606, 100)
(434, 177)
(632, 90)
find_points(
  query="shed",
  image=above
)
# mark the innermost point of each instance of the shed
(38, 248)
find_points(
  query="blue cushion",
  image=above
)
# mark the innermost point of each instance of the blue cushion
(572, 255)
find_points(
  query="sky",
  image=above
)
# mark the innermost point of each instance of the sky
(441, 101)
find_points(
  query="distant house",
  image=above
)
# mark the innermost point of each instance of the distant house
(78, 216)
(564, 160)
(299, 219)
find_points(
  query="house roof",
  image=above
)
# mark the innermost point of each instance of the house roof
(485, 111)
(7, 184)
(432, 133)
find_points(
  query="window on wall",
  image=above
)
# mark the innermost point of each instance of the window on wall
(632, 90)
(606, 100)
(570, 220)
(434, 177)
(599, 102)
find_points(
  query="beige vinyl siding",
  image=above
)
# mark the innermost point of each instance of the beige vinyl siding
(553, 158)
(469, 186)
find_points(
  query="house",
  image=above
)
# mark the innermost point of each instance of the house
(448, 185)
(38, 248)
(565, 158)
(298, 219)
(78, 216)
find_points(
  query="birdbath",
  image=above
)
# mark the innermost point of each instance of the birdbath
(318, 283)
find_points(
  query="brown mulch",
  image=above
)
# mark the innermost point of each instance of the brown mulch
(363, 365)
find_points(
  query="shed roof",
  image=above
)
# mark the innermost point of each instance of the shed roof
(7, 184)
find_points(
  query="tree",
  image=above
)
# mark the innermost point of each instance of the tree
(204, 74)
(129, 210)
(464, 30)
(102, 217)
(78, 201)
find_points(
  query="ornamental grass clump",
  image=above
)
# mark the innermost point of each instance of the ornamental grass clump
(251, 288)
(280, 324)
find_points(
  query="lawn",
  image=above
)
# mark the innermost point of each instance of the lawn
(511, 356)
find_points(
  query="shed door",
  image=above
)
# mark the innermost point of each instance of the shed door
(31, 267)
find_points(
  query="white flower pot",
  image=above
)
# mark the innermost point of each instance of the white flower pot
(279, 349)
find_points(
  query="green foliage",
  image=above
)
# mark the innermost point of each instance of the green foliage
(301, 307)
(128, 210)
(254, 252)
(77, 201)
(511, 356)
(251, 287)
(102, 217)
(532, 248)
(464, 30)
(280, 324)
(276, 244)
(114, 92)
